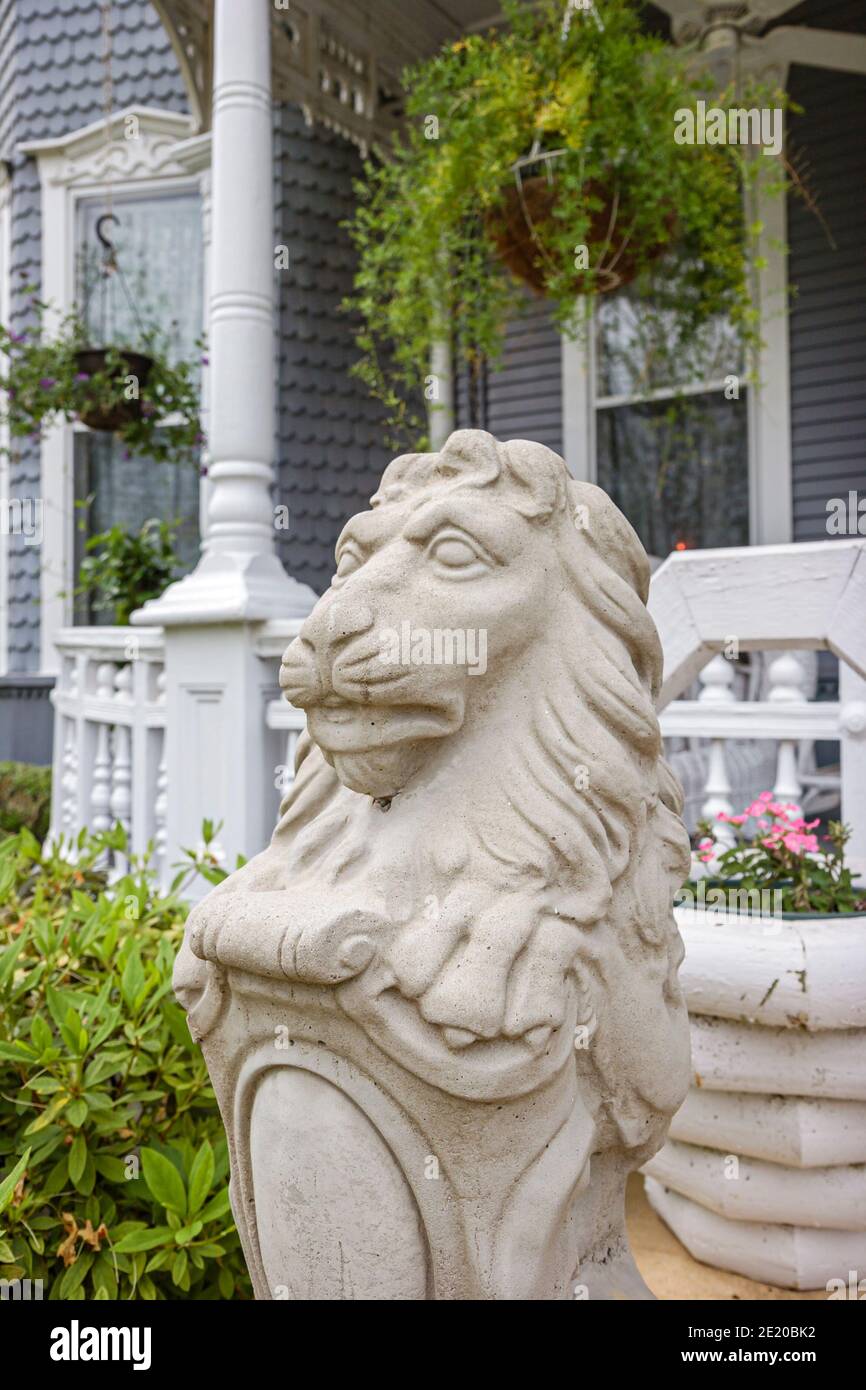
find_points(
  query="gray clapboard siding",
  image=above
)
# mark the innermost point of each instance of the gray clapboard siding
(828, 315)
(521, 397)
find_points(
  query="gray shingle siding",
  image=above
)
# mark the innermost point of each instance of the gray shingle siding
(329, 430)
(7, 71)
(61, 69)
(51, 83)
(24, 463)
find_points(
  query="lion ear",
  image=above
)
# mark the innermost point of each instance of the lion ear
(470, 451)
(539, 471)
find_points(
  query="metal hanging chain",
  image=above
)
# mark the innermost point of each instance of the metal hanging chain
(110, 264)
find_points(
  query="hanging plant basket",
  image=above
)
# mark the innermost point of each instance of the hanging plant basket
(516, 229)
(467, 205)
(110, 410)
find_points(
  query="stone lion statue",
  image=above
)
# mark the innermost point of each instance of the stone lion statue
(467, 901)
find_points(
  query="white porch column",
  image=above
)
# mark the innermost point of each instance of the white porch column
(239, 575)
(440, 404)
(216, 686)
(440, 382)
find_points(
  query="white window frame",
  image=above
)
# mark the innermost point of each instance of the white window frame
(769, 398)
(5, 311)
(162, 156)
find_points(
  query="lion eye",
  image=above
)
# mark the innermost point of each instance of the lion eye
(454, 553)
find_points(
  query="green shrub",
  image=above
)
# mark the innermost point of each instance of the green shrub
(111, 1143)
(25, 798)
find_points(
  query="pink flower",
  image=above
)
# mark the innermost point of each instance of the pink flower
(738, 820)
(800, 844)
(765, 796)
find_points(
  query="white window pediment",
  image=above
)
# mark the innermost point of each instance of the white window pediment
(137, 143)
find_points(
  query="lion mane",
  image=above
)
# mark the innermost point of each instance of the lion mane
(587, 822)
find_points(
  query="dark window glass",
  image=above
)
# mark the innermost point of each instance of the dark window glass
(116, 490)
(678, 470)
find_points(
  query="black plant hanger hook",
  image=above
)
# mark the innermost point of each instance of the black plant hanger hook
(110, 259)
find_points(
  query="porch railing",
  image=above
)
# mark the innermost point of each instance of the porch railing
(110, 714)
(753, 730)
(109, 739)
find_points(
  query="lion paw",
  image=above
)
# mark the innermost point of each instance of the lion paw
(504, 973)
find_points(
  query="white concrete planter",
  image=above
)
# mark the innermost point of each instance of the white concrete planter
(764, 1172)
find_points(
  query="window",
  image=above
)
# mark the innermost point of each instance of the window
(671, 430)
(158, 239)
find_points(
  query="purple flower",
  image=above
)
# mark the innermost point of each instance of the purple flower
(201, 438)
(126, 456)
(46, 382)
(202, 472)
(82, 376)
(18, 337)
(205, 361)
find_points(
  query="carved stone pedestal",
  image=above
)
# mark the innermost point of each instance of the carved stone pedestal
(441, 1011)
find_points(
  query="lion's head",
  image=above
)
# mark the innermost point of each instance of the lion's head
(521, 757)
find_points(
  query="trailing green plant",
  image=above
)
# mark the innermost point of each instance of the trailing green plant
(25, 798)
(776, 850)
(45, 381)
(112, 1153)
(122, 569)
(589, 105)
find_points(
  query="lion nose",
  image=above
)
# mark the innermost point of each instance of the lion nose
(342, 617)
(300, 681)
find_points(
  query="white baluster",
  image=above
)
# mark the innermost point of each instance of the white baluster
(160, 804)
(69, 779)
(100, 794)
(121, 772)
(785, 675)
(717, 679)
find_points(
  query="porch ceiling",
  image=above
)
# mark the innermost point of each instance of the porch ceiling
(341, 60)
